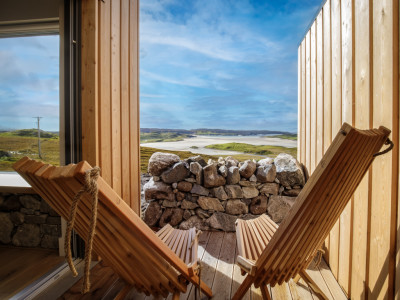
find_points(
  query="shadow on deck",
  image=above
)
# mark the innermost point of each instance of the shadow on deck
(217, 251)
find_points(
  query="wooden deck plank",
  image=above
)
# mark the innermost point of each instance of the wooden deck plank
(102, 278)
(221, 287)
(301, 291)
(281, 292)
(215, 250)
(315, 274)
(237, 278)
(210, 260)
(331, 282)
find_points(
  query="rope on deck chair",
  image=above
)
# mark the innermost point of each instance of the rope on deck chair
(91, 188)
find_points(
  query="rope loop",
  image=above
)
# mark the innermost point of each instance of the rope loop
(90, 187)
(391, 145)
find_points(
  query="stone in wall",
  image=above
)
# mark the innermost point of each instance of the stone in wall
(220, 193)
(211, 176)
(288, 170)
(214, 195)
(184, 186)
(233, 176)
(199, 190)
(172, 216)
(266, 173)
(27, 221)
(30, 202)
(27, 235)
(157, 190)
(248, 168)
(6, 227)
(234, 191)
(208, 203)
(153, 213)
(259, 205)
(197, 171)
(177, 172)
(194, 221)
(249, 192)
(269, 189)
(279, 206)
(160, 162)
(236, 207)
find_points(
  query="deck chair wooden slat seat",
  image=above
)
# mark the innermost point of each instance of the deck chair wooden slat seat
(287, 250)
(145, 260)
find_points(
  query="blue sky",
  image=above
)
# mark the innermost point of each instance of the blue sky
(29, 82)
(228, 64)
(220, 63)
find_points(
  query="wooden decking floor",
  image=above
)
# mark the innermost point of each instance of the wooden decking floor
(217, 251)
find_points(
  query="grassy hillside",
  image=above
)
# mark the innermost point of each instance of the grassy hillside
(271, 151)
(153, 137)
(292, 136)
(20, 143)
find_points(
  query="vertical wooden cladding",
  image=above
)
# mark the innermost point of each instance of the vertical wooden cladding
(345, 234)
(110, 113)
(336, 114)
(356, 80)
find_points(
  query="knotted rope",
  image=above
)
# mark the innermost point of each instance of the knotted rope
(91, 188)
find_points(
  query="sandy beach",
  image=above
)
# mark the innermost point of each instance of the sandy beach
(200, 141)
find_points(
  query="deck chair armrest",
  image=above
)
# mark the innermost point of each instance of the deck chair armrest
(246, 265)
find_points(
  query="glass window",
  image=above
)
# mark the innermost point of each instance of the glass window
(29, 99)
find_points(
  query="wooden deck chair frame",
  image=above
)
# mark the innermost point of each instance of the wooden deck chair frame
(155, 264)
(273, 255)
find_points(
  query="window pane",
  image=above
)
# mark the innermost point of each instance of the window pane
(29, 92)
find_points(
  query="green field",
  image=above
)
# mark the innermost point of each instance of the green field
(22, 143)
(154, 137)
(266, 150)
(285, 136)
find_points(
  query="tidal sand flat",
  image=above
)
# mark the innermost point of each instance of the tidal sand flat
(198, 143)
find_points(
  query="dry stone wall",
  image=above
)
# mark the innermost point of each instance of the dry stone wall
(213, 195)
(28, 221)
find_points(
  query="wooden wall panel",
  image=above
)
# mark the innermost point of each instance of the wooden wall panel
(382, 98)
(110, 97)
(362, 196)
(134, 104)
(345, 234)
(320, 88)
(116, 96)
(302, 137)
(308, 101)
(313, 100)
(336, 115)
(299, 103)
(326, 10)
(357, 72)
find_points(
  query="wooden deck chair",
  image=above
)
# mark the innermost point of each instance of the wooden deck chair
(156, 264)
(273, 255)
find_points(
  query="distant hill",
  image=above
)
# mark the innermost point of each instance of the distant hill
(207, 131)
(30, 133)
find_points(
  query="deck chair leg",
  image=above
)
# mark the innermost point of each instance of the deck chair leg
(176, 296)
(313, 285)
(122, 293)
(243, 288)
(265, 293)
